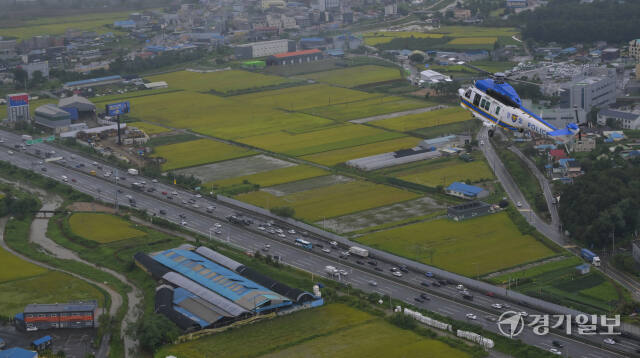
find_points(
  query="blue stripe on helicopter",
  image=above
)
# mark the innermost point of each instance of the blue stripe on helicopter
(488, 116)
(538, 118)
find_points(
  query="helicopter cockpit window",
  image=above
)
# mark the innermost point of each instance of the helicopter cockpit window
(476, 99)
(468, 93)
(497, 109)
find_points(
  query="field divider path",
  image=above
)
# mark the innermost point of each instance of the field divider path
(37, 234)
(397, 114)
(116, 299)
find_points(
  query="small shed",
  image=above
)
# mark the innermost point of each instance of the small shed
(42, 343)
(583, 269)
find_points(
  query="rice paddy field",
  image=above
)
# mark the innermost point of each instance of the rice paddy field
(58, 25)
(367, 108)
(102, 228)
(357, 75)
(333, 200)
(380, 37)
(274, 177)
(423, 120)
(14, 268)
(197, 152)
(150, 129)
(477, 31)
(220, 81)
(473, 41)
(344, 136)
(337, 156)
(442, 171)
(471, 247)
(334, 330)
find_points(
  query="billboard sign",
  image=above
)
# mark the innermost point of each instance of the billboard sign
(18, 100)
(115, 109)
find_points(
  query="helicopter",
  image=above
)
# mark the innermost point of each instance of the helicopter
(496, 104)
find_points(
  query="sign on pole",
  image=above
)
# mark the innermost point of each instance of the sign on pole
(115, 109)
(50, 138)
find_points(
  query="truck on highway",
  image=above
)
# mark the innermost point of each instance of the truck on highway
(331, 271)
(53, 159)
(132, 171)
(358, 251)
(137, 186)
(590, 257)
(26, 137)
(92, 172)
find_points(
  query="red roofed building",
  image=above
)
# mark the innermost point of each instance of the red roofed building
(290, 58)
(557, 154)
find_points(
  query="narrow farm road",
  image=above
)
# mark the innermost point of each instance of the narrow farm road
(38, 235)
(116, 299)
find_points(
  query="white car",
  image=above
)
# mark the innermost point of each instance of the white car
(333, 243)
(218, 225)
(460, 288)
(175, 193)
(343, 272)
(397, 273)
(154, 180)
(519, 204)
(282, 235)
(198, 196)
(523, 314)
(291, 231)
(196, 206)
(496, 306)
(279, 231)
(471, 316)
(261, 228)
(555, 351)
(183, 223)
(373, 283)
(609, 341)
(326, 251)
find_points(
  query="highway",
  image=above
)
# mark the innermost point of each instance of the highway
(445, 300)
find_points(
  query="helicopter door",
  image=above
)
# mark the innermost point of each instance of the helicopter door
(476, 100)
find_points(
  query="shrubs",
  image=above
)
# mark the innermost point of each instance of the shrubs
(284, 211)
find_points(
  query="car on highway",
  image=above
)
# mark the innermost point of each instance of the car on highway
(183, 223)
(429, 274)
(174, 193)
(326, 251)
(425, 297)
(555, 351)
(557, 344)
(196, 206)
(64, 178)
(333, 243)
(490, 318)
(154, 180)
(44, 169)
(496, 306)
(211, 208)
(435, 284)
(418, 299)
(378, 269)
(291, 231)
(397, 273)
(261, 228)
(471, 316)
(343, 272)
(163, 212)
(10, 152)
(373, 283)
(281, 235)
(372, 262)
(460, 288)
(360, 262)
(218, 225)
(198, 195)
(266, 247)
(404, 268)
(523, 313)
(609, 341)
(425, 283)
(519, 204)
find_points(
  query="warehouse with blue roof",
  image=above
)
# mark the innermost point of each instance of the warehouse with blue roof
(466, 191)
(202, 288)
(17, 352)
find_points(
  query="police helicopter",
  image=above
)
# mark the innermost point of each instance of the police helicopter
(496, 104)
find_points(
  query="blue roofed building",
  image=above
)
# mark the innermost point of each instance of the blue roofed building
(17, 352)
(222, 281)
(465, 191)
(125, 24)
(308, 43)
(100, 81)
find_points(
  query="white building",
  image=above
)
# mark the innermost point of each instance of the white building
(626, 120)
(634, 49)
(264, 48)
(31, 68)
(430, 76)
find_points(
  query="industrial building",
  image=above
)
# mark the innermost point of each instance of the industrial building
(430, 76)
(264, 48)
(77, 106)
(390, 159)
(625, 119)
(347, 42)
(17, 107)
(465, 191)
(59, 315)
(18, 352)
(51, 117)
(92, 82)
(297, 57)
(468, 210)
(200, 288)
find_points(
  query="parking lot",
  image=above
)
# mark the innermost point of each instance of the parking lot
(76, 343)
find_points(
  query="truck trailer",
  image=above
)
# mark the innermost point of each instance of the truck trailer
(590, 257)
(132, 171)
(358, 251)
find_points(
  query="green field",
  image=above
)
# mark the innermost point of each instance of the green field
(58, 25)
(330, 331)
(559, 282)
(334, 157)
(303, 97)
(344, 136)
(333, 200)
(473, 41)
(423, 120)
(221, 81)
(197, 152)
(367, 108)
(102, 228)
(149, 128)
(357, 75)
(14, 268)
(443, 171)
(477, 31)
(494, 66)
(49, 287)
(274, 177)
(376, 38)
(471, 247)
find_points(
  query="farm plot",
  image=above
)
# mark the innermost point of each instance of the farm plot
(102, 228)
(58, 25)
(330, 331)
(383, 215)
(443, 172)
(376, 38)
(477, 31)
(197, 152)
(367, 108)
(220, 81)
(422, 120)
(275, 177)
(302, 97)
(357, 75)
(473, 41)
(334, 200)
(13, 268)
(307, 184)
(149, 128)
(51, 286)
(471, 247)
(344, 136)
(235, 168)
(334, 157)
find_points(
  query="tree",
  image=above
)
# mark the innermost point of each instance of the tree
(156, 330)
(416, 57)
(20, 77)
(285, 211)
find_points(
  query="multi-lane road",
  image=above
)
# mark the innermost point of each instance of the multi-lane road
(445, 300)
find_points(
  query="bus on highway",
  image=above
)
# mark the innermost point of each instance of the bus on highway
(304, 244)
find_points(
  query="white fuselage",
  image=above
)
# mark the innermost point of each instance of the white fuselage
(495, 113)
